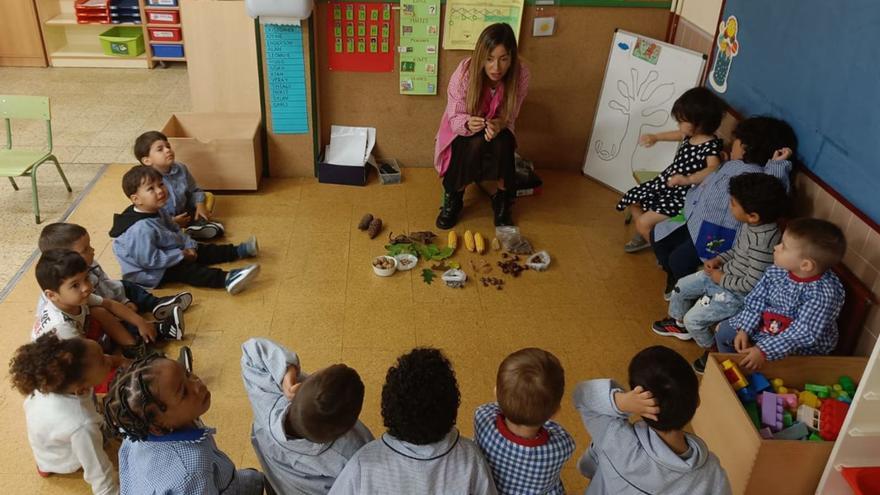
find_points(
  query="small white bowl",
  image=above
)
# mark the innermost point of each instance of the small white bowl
(406, 262)
(538, 266)
(385, 272)
(454, 278)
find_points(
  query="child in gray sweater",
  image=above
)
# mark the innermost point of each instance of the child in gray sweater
(305, 426)
(654, 455)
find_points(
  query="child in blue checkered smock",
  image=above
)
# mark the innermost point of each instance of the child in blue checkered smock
(524, 448)
(155, 406)
(794, 308)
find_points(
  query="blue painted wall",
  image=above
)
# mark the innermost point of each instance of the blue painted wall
(816, 64)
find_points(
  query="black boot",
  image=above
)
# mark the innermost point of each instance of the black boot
(502, 202)
(450, 209)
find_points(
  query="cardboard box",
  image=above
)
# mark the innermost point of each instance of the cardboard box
(758, 466)
(221, 150)
(350, 175)
(345, 159)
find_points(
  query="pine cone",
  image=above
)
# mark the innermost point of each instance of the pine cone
(375, 227)
(364, 224)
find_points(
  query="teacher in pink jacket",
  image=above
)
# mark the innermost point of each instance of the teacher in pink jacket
(475, 142)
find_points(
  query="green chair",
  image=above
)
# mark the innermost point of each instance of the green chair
(24, 163)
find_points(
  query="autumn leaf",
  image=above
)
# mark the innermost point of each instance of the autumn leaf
(428, 275)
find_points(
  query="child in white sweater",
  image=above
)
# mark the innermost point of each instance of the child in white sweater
(64, 428)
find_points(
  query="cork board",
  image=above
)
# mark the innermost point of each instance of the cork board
(555, 122)
(290, 155)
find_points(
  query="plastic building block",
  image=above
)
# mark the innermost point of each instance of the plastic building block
(734, 375)
(848, 385)
(771, 411)
(752, 409)
(808, 416)
(746, 395)
(786, 419)
(814, 437)
(759, 383)
(777, 384)
(797, 431)
(808, 398)
(844, 398)
(766, 433)
(831, 416)
(791, 401)
(821, 391)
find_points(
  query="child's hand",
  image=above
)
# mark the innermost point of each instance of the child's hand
(637, 401)
(647, 140)
(716, 276)
(781, 154)
(118, 360)
(182, 220)
(147, 331)
(741, 341)
(190, 254)
(289, 386)
(201, 211)
(713, 264)
(752, 359)
(132, 306)
(678, 180)
(724, 156)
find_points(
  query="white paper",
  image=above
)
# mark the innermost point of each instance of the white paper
(288, 9)
(350, 146)
(279, 20)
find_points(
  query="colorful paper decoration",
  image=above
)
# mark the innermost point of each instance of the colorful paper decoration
(727, 47)
(466, 19)
(360, 37)
(419, 39)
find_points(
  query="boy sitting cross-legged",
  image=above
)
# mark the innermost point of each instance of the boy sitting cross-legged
(151, 248)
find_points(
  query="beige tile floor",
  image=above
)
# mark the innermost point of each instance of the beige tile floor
(318, 295)
(96, 115)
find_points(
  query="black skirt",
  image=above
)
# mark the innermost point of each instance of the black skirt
(475, 160)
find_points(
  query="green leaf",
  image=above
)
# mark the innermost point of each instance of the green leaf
(404, 248)
(428, 275)
(442, 253)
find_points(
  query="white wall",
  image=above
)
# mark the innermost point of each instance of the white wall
(703, 13)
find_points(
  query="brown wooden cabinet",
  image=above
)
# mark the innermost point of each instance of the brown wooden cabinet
(21, 44)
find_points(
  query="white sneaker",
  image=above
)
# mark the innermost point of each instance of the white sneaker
(182, 300)
(239, 279)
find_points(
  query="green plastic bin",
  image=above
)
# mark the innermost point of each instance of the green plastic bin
(123, 41)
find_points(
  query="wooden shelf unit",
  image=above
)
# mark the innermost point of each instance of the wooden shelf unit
(70, 44)
(149, 43)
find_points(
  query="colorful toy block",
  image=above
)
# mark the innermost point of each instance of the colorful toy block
(786, 419)
(808, 416)
(752, 409)
(848, 385)
(821, 391)
(809, 399)
(759, 383)
(746, 395)
(734, 375)
(778, 386)
(771, 411)
(791, 401)
(797, 431)
(831, 416)
(766, 433)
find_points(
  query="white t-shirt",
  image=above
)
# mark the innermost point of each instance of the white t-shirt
(64, 431)
(66, 325)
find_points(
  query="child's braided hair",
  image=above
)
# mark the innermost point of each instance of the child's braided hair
(130, 407)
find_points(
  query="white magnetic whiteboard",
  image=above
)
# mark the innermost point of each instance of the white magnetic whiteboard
(643, 78)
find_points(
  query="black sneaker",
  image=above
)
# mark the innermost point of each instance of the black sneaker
(185, 357)
(162, 311)
(135, 351)
(700, 363)
(203, 230)
(670, 328)
(239, 279)
(172, 328)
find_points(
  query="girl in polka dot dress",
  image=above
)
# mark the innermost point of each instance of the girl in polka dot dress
(698, 112)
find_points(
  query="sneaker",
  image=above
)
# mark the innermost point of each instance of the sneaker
(700, 363)
(202, 230)
(135, 351)
(239, 279)
(185, 357)
(43, 474)
(249, 248)
(162, 311)
(670, 328)
(636, 244)
(172, 328)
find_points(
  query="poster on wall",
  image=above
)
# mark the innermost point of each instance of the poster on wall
(466, 19)
(360, 37)
(419, 39)
(286, 72)
(726, 47)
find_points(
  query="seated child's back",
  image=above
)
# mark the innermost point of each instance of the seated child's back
(525, 450)
(654, 455)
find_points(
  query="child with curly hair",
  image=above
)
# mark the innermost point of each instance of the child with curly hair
(422, 452)
(64, 429)
(155, 405)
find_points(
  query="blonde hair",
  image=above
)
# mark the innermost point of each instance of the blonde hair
(491, 37)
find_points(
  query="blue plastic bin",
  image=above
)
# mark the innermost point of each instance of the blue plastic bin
(167, 51)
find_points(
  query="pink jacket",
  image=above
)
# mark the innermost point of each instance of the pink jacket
(452, 124)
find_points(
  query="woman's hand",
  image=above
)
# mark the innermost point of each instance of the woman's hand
(475, 123)
(495, 126)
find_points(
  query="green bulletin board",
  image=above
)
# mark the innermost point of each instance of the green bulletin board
(419, 41)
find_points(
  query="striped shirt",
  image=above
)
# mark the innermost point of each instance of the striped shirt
(707, 207)
(522, 466)
(752, 253)
(786, 315)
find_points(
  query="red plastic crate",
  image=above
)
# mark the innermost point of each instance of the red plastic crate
(163, 16)
(164, 34)
(92, 11)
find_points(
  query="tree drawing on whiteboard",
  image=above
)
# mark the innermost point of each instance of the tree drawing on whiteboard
(647, 94)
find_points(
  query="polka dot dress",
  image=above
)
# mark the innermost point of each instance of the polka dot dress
(655, 195)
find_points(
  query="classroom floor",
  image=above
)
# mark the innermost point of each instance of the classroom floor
(96, 115)
(318, 295)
